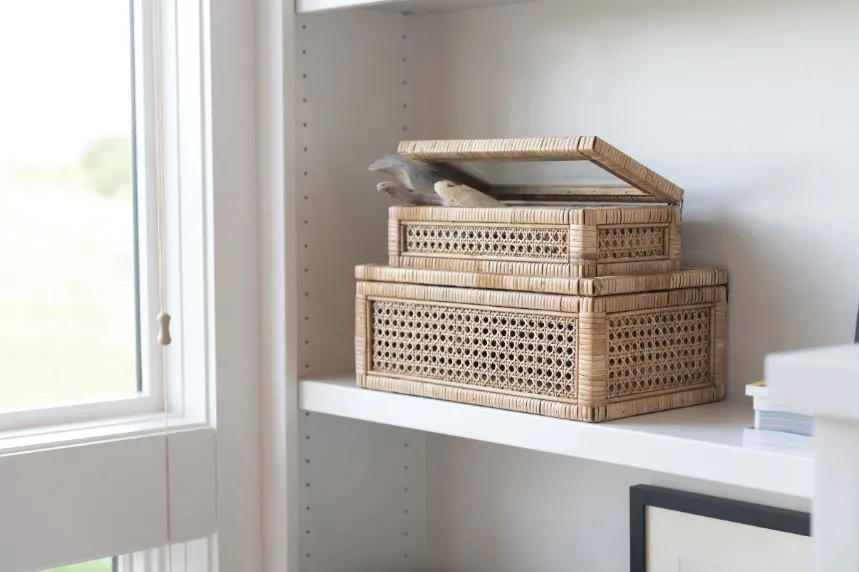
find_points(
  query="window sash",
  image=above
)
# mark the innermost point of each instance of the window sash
(47, 420)
(147, 28)
(178, 29)
(119, 509)
(149, 379)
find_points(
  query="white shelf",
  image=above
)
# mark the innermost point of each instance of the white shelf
(310, 6)
(704, 442)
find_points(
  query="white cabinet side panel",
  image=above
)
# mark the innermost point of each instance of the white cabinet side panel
(498, 509)
(749, 106)
(361, 485)
(353, 105)
(363, 503)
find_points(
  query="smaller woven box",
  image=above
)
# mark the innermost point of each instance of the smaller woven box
(582, 349)
(533, 241)
(580, 241)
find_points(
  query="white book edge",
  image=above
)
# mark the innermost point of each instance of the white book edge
(761, 400)
(756, 391)
(797, 430)
(778, 441)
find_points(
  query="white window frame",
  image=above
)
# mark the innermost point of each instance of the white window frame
(182, 127)
(47, 461)
(151, 399)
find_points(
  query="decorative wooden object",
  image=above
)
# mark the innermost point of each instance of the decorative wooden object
(577, 242)
(582, 349)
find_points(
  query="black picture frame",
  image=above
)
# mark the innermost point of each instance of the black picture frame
(856, 331)
(643, 496)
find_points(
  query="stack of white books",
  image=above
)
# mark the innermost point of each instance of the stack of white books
(775, 428)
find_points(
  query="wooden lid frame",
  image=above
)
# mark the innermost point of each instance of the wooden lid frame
(646, 185)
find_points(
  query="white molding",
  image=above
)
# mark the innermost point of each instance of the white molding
(233, 266)
(276, 102)
(190, 238)
(824, 382)
(41, 439)
(53, 419)
(186, 193)
(835, 507)
(76, 503)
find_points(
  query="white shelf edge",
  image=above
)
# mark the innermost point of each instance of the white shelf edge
(703, 442)
(313, 6)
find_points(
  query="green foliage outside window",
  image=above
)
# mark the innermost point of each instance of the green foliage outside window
(106, 163)
(94, 566)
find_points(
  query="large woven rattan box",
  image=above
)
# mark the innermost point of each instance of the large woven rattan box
(607, 233)
(583, 349)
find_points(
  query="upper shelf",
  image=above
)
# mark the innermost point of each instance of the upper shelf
(309, 6)
(704, 442)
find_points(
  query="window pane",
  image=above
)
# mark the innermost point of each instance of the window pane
(105, 565)
(67, 225)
